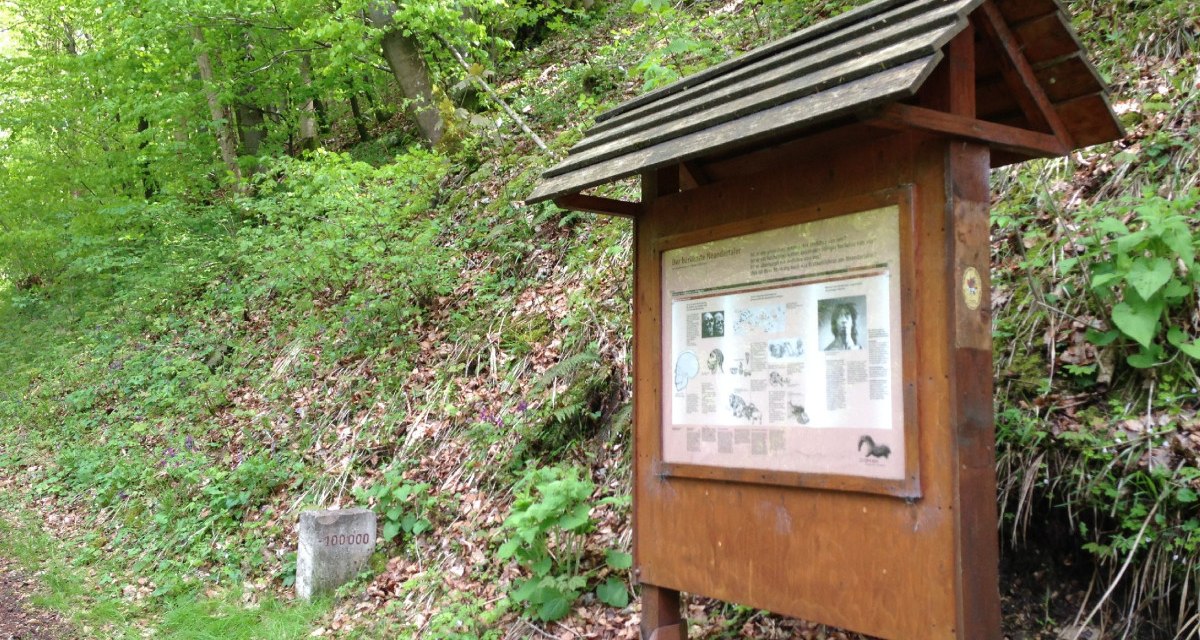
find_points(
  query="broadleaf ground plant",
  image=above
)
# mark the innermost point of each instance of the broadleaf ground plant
(546, 533)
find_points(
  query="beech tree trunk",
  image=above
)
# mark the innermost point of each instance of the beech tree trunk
(381, 114)
(250, 128)
(221, 116)
(360, 121)
(149, 184)
(404, 58)
(308, 108)
(250, 124)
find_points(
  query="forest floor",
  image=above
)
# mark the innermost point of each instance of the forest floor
(19, 617)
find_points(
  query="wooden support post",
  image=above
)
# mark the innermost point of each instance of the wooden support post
(661, 607)
(661, 614)
(904, 117)
(595, 204)
(961, 59)
(970, 385)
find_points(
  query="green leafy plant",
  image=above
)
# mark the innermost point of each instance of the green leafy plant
(1148, 275)
(547, 529)
(404, 507)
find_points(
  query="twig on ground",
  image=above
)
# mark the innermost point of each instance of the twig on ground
(1137, 541)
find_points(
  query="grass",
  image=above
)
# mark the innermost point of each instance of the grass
(87, 595)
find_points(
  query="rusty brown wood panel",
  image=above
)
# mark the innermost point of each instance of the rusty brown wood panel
(744, 133)
(1016, 11)
(886, 9)
(1091, 118)
(863, 40)
(987, 57)
(1063, 79)
(876, 564)
(1019, 75)
(1046, 38)
(1030, 144)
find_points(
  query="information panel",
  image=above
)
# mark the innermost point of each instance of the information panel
(784, 351)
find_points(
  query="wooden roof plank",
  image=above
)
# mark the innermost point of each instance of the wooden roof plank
(844, 20)
(820, 80)
(916, 18)
(1027, 58)
(882, 54)
(888, 85)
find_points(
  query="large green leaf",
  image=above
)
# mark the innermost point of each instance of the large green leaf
(618, 560)
(1179, 238)
(554, 608)
(1112, 225)
(1138, 319)
(509, 548)
(1177, 337)
(1142, 360)
(613, 593)
(1148, 275)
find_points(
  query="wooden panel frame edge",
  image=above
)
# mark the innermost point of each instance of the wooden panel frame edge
(908, 487)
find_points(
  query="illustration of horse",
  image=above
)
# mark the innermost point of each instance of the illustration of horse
(874, 450)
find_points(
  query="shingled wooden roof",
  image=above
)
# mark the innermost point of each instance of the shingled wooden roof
(1036, 94)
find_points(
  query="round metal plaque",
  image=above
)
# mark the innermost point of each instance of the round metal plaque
(972, 288)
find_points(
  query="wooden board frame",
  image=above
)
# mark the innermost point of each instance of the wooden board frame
(924, 567)
(908, 487)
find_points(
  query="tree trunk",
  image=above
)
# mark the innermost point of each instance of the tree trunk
(360, 121)
(220, 114)
(308, 108)
(149, 184)
(250, 128)
(407, 64)
(381, 114)
(322, 115)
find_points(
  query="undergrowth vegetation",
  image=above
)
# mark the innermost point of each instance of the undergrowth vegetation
(392, 326)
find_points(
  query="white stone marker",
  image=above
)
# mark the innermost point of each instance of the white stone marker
(335, 546)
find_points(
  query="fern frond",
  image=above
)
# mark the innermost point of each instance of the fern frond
(567, 368)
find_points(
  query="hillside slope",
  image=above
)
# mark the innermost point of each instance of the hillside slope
(387, 325)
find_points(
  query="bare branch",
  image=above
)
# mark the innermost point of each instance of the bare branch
(283, 54)
(492, 93)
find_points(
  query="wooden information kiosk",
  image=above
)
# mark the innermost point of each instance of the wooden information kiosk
(813, 388)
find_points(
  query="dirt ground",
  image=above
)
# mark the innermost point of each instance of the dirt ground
(20, 620)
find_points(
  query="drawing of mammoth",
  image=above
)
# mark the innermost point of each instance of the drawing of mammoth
(743, 409)
(798, 412)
